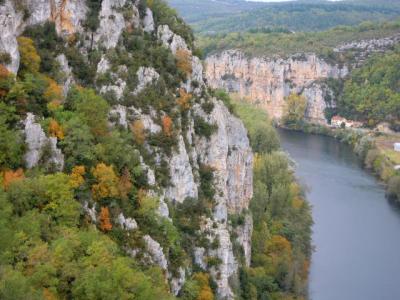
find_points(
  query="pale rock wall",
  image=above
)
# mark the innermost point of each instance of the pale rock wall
(182, 180)
(267, 81)
(36, 140)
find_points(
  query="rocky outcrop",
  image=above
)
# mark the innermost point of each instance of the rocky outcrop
(156, 252)
(68, 78)
(244, 233)
(10, 22)
(40, 147)
(127, 223)
(228, 152)
(267, 81)
(148, 21)
(182, 180)
(145, 77)
(66, 14)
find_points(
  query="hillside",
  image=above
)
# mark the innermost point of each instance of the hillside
(124, 176)
(278, 43)
(211, 17)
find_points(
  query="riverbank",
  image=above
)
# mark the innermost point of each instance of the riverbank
(375, 150)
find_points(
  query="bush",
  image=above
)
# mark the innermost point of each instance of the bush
(203, 128)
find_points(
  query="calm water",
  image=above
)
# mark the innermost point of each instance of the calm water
(356, 231)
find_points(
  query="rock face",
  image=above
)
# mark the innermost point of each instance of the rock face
(37, 141)
(182, 179)
(66, 14)
(266, 81)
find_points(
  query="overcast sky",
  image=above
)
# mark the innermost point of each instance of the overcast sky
(278, 0)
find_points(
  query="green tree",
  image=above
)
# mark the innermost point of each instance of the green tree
(294, 110)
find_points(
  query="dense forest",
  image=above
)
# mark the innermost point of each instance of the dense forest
(371, 94)
(211, 17)
(283, 43)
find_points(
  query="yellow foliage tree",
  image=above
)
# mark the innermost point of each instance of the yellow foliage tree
(184, 99)
(167, 125)
(295, 110)
(77, 176)
(55, 130)
(105, 222)
(107, 182)
(137, 129)
(30, 59)
(204, 282)
(184, 61)
(10, 176)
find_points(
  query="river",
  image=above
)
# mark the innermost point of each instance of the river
(356, 234)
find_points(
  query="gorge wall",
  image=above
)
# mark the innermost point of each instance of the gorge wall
(226, 152)
(267, 81)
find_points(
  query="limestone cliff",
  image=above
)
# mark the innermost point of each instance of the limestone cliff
(226, 151)
(266, 81)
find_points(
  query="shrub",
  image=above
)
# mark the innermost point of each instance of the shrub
(5, 58)
(203, 128)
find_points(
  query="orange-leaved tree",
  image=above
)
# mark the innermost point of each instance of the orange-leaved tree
(10, 176)
(184, 61)
(53, 91)
(167, 125)
(107, 182)
(184, 99)
(105, 222)
(55, 130)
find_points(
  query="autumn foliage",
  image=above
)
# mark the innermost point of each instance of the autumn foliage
(11, 176)
(105, 223)
(184, 61)
(53, 91)
(30, 59)
(204, 282)
(77, 176)
(184, 99)
(107, 182)
(55, 130)
(167, 125)
(137, 129)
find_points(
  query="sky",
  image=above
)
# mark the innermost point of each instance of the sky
(280, 0)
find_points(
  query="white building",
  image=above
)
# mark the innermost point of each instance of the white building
(396, 147)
